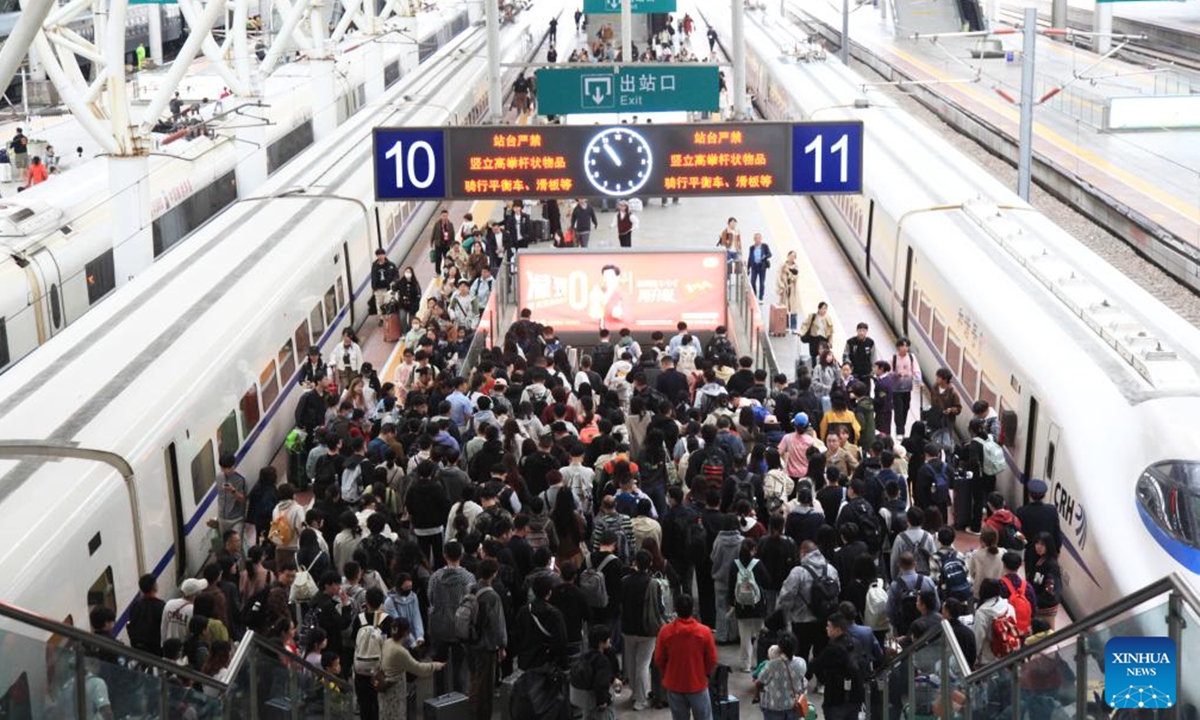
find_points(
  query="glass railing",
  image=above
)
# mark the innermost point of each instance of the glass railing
(745, 319)
(1059, 676)
(54, 671)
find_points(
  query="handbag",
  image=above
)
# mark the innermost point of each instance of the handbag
(433, 255)
(807, 337)
(802, 706)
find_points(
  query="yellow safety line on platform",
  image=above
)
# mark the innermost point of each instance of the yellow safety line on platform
(1187, 210)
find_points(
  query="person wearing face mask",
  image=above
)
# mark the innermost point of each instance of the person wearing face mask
(402, 602)
(408, 296)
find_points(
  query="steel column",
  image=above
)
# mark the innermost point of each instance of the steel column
(1025, 140)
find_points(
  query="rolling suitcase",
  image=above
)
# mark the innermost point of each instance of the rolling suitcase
(451, 706)
(962, 501)
(727, 709)
(777, 324)
(506, 694)
(391, 328)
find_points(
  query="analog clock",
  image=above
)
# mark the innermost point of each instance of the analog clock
(618, 161)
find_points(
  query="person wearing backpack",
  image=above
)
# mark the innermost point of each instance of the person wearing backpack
(995, 624)
(809, 595)
(725, 549)
(932, 484)
(1007, 525)
(949, 569)
(487, 638)
(746, 598)
(287, 520)
(592, 678)
(904, 592)
(445, 591)
(915, 541)
(1019, 592)
(838, 670)
(859, 511)
(606, 604)
(638, 628)
(710, 466)
(368, 652)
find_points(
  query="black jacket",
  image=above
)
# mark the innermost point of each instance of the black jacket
(673, 384)
(836, 668)
(511, 238)
(409, 295)
(310, 410)
(599, 675)
(541, 642)
(310, 373)
(583, 219)
(860, 354)
(333, 620)
(778, 554)
(145, 625)
(633, 603)
(383, 276)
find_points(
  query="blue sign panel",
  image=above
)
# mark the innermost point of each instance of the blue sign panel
(827, 157)
(1140, 672)
(409, 164)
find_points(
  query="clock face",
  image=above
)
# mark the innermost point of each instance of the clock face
(618, 161)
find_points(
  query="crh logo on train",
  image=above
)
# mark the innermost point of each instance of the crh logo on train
(1139, 672)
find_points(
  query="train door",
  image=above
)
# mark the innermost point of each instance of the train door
(908, 272)
(178, 521)
(1031, 434)
(46, 295)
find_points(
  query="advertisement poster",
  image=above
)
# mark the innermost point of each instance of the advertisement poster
(585, 291)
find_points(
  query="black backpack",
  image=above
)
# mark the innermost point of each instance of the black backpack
(602, 359)
(908, 604)
(863, 515)
(255, 613)
(823, 593)
(954, 581)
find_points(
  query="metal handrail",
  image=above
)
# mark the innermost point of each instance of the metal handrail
(108, 645)
(1170, 584)
(929, 638)
(295, 660)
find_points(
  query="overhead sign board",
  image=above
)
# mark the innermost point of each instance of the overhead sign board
(652, 88)
(588, 290)
(618, 160)
(613, 7)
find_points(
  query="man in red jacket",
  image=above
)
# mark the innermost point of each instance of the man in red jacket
(686, 655)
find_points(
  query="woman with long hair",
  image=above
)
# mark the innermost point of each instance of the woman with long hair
(395, 663)
(569, 526)
(1046, 577)
(256, 577)
(310, 556)
(985, 561)
(512, 437)
(347, 540)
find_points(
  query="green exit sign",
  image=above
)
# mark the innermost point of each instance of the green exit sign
(606, 7)
(651, 88)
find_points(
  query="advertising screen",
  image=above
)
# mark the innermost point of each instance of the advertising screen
(585, 291)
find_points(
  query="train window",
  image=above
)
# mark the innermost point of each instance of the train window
(316, 324)
(331, 307)
(103, 592)
(204, 472)
(939, 333)
(1050, 462)
(55, 307)
(288, 146)
(391, 73)
(101, 276)
(227, 435)
(249, 407)
(953, 353)
(969, 377)
(287, 362)
(1169, 492)
(175, 224)
(341, 292)
(925, 318)
(302, 341)
(4, 357)
(986, 392)
(914, 300)
(269, 385)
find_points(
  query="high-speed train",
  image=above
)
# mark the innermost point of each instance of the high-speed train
(56, 239)
(1095, 379)
(198, 356)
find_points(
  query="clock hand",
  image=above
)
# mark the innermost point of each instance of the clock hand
(612, 154)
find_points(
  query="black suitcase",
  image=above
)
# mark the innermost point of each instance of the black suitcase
(727, 709)
(540, 228)
(962, 502)
(451, 706)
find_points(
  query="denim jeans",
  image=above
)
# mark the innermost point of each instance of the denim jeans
(697, 705)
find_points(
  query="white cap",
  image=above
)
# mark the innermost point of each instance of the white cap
(192, 586)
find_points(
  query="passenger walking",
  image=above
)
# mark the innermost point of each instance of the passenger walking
(383, 278)
(346, 357)
(583, 221)
(781, 681)
(440, 239)
(36, 173)
(625, 222)
(686, 655)
(787, 288)
(19, 147)
(1046, 577)
(840, 674)
(231, 508)
(730, 240)
(817, 333)
(945, 407)
(592, 679)
(907, 373)
(396, 664)
(446, 589)
(745, 596)
(758, 261)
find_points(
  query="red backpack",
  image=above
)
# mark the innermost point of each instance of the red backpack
(1020, 605)
(1005, 638)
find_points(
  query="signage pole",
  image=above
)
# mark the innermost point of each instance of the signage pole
(1103, 22)
(1025, 142)
(738, 49)
(844, 51)
(627, 31)
(495, 94)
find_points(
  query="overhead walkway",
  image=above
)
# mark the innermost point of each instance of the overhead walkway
(1058, 677)
(54, 670)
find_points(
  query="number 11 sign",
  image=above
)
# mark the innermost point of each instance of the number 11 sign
(827, 158)
(409, 164)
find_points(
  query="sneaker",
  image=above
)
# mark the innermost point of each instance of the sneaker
(639, 706)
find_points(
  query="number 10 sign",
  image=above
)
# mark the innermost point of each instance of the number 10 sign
(409, 164)
(827, 157)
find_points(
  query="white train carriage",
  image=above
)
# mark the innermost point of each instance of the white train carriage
(1095, 379)
(58, 248)
(196, 357)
